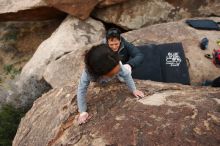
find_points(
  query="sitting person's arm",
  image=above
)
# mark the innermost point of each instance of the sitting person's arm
(136, 57)
(129, 81)
(81, 97)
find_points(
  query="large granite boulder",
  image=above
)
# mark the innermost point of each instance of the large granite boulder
(27, 10)
(78, 8)
(71, 36)
(200, 68)
(16, 5)
(65, 70)
(140, 13)
(169, 114)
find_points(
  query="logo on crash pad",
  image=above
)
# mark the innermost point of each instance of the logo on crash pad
(173, 59)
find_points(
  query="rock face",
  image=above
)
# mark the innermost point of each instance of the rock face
(200, 68)
(140, 13)
(110, 2)
(78, 8)
(198, 8)
(16, 5)
(128, 14)
(71, 36)
(65, 70)
(27, 10)
(169, 114)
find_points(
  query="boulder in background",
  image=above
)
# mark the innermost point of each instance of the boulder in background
(139, 13)
(27, 10)
(78, 8)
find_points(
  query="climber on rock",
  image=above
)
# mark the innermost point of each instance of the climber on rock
(101, 65)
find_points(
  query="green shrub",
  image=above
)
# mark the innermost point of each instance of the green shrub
(9, 120)
(12, 35)
(11, 70)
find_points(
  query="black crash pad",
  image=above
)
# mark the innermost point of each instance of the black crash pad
(150, 68)
(204, 24)
(163, 63)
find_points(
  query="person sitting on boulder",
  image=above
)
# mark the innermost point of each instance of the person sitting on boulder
(130, 56)
(101, 65)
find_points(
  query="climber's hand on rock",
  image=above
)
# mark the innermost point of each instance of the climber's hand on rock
(138, 94)
(83, 117)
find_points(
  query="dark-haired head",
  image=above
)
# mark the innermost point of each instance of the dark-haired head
(100, 60)
(113, 38)
(113, 33)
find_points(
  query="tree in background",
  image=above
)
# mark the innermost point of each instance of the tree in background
(9, 120)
